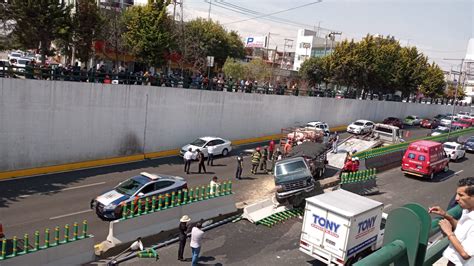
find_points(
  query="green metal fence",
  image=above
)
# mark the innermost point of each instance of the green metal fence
(153, 204)
(359, 176)
(22, 246)
(402, 146)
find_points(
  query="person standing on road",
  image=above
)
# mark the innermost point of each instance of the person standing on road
(210, 154)
(214, 184)
(240, 166)
(275, 157)
(287, 147)
(460, 232)
(201, 159)
(263, 160)
(256, 160)
(188, 157)
(196, 239)
(271, 149)
(183, 232)
(335, 142)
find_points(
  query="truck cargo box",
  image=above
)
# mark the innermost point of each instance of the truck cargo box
(338, 225)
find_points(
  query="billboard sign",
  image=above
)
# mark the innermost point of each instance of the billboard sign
(256, 41)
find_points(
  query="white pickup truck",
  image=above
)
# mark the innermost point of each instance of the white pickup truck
(340, 227)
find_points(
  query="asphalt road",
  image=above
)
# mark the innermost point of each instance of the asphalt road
(243, 243)
(36, 203)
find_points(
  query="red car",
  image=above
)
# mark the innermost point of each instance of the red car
(429, 123)
(462, 123)
(393, 121)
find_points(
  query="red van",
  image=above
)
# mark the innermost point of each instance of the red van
(425, 158)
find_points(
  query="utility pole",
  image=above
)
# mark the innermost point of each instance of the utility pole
(209, 12)
(290, 41)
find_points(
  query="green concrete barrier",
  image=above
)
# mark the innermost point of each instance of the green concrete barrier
(25, 248)
(149, 205)
(359, 176)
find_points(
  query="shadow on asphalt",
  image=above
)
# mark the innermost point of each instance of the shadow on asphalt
(13, 190)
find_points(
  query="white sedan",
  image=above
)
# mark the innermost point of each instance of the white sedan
(454, 150)
(360, 127)
(221, 146)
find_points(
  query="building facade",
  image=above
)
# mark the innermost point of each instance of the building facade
(468, 69)
(308, 44)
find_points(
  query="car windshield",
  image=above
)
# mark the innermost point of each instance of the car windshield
(358, 123)
(450, 147)
(15, 55)
(23, 62)
(129, 187)
(410, 117)
(284, 169)
(198, 142)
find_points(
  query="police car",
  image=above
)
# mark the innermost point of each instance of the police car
(109, 204)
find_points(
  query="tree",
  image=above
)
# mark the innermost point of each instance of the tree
(451, 91)
(433, 83)
(233, 69)
(148, 32)
(408, 71)
(38, 23)
(314, 70)
(87, 21)
(204, 38)
(257, 70)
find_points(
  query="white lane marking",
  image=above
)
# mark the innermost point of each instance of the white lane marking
(458, 172)
(69, 214)
(83, 186)
(387, 206)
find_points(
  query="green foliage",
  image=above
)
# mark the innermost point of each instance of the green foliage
(233, 69)
(87, 25)
(257, 69)
(38, 22)
(376, 65)
(148, 32)
(450, 93)
(204, 38)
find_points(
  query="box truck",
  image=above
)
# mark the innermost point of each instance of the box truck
(340, 227)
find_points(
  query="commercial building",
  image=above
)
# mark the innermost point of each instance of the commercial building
(308, 44)
(468, 69)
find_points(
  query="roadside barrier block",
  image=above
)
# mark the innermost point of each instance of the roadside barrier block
(23, 254)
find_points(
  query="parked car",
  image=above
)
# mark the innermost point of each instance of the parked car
(448, 120)
(319, 125)
(462, 123)
(15, 55)
(440, 130)
(109, 204)
(222, 146)
(439, 116)
(393, 121)
(429, 123)
(4, 64)
(469, 144)
(412, 120)
(425, 158)
(360, 127)
(454, 150)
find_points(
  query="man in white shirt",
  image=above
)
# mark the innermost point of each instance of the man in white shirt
(196, 238)
(210, 153)
(188, 157)
(214, 185)
(460, 232)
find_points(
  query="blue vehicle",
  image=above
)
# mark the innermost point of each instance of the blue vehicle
(108, 206)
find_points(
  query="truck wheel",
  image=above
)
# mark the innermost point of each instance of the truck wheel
(281, 201)
(297, 201)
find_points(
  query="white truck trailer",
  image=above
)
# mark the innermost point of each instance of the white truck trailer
(341, 227)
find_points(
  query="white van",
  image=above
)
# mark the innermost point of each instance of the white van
(388, 134)
(318, 125)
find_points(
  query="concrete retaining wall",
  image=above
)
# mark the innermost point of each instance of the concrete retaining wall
(124, 231)
(75, 253)
(45, 123)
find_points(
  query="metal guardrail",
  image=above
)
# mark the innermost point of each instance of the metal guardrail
(402, 146)
(25, 247)
(153, 204)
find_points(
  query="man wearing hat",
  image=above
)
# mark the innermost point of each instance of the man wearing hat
(183, 231)
(256, 160)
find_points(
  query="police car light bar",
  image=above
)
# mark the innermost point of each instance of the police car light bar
(151, 176)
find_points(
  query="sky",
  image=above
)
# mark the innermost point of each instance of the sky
(439, 29)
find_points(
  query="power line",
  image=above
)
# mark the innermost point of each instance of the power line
(274, 13)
